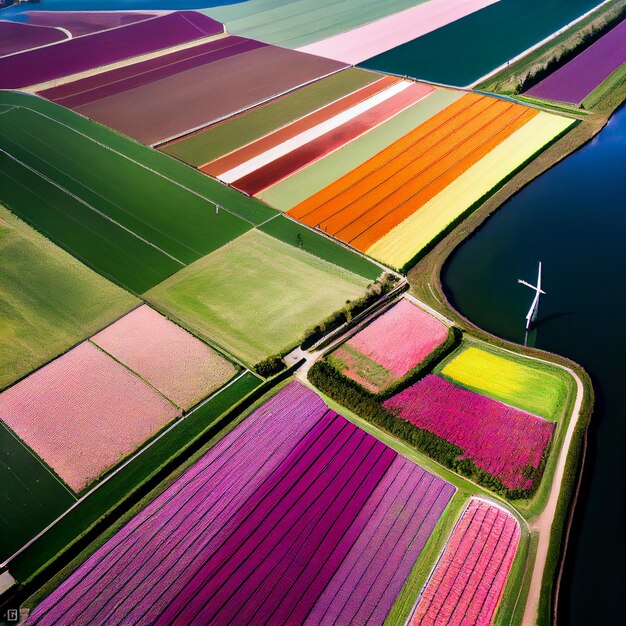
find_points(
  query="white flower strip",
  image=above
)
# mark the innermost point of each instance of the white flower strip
(305, 137)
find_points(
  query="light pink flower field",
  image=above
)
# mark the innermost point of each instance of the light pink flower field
(394, 343)
(181, 367)
(83, 412)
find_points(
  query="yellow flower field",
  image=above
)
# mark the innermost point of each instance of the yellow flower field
(402, 243)
(529, 385)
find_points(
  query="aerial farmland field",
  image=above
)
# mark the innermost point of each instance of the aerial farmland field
(531, 386)
(577, 79)
(50, 301)
(78, 190)
(255, 296)
(434, 56)
(379, 354)
(264, 266)
(292, 469)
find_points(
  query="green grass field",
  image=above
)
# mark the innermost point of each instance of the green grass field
(538, 388)
(255, 296)
(31, 496)
(49, 301)
(119, 486)
(129, 212)
(220, 139)
(287, 230)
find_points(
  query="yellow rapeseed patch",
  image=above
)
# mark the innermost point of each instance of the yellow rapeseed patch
(529, 385)
(413, 234)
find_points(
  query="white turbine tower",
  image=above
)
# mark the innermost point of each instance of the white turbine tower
(531, 316)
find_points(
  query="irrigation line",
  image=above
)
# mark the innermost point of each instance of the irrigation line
(89, 206)
(138, 163)
(117, 470)
(39, 461)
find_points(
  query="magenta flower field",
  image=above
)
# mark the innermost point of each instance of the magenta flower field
(392, 345)
(296, 516)
(501, 440)
(469, 579)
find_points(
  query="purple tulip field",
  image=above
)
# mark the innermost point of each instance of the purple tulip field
(501, 440)
(295, 517)
(579, 77)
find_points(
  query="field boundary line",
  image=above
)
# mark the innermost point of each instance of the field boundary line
(89, 206)
(70, 35)
(95, 71)
(115, 204)
(32, 453)
(135, 75)
(97, 346)
(138, 163)
(217, 120)
(538, 45)
(119, 468)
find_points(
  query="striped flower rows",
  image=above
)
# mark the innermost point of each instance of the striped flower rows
(467, 583)
(296, 516)
(501, 440)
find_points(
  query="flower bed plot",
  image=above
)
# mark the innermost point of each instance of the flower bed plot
(83, 412)
(180, 366)
(390, 346)
(294, 517)
(467, 583)
(500, 440)
(366, 204)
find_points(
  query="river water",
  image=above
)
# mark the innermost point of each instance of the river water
(573, 219)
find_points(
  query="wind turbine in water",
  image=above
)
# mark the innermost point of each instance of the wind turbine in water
(531, 316)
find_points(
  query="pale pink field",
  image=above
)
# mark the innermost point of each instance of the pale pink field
(398, 340)
(365, 42)
(83, 412)
(180, 366)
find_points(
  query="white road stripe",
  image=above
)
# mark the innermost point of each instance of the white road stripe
(303, 138)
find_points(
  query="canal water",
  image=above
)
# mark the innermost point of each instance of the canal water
(573, 219)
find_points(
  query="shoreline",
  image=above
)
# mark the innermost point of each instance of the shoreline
(426, 284)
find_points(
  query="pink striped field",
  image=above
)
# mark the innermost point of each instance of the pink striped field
(469, 579)
(501, 440)
(365, 42)
(296, 516)
(181, 367)
(83, 412)
(389, 347)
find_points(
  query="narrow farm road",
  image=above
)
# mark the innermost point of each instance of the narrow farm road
(544, 521)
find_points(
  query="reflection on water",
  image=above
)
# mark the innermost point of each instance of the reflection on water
(573, 219)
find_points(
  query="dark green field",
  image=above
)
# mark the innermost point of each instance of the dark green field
(467, 49)
(101, 500)
(132, 214)
(31, 496)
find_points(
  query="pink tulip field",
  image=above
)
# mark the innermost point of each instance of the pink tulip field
(469, 579)
(181, 367)
(389, 347)
(501, 440)
(295, 517)
(83, 412)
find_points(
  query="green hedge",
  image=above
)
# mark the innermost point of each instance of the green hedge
(368, 406)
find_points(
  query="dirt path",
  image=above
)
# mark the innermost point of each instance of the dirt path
(543, 523)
